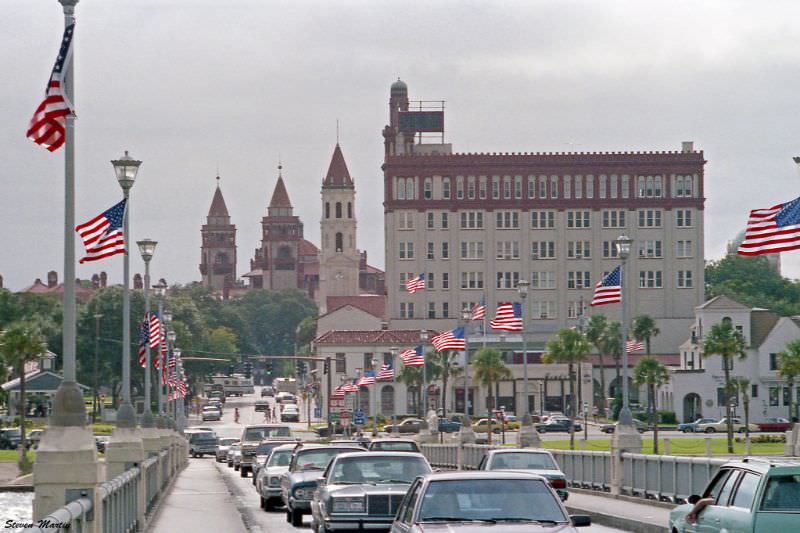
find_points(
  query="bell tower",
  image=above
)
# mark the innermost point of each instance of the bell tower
(218, 250)
(339, 258)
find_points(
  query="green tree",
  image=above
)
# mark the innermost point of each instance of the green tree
(411, 376)
(569, 347)
(727, 342)
(21, 342)
(273, 317)
(650, 372)
(742, 385)
(444, 367)
(488, 368)
(789, 369)
(752, 281)
(595, 334)
(644, 329)
(612, 345)
(306, 333)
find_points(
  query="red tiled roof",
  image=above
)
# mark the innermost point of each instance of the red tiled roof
(374, 270)
(305, 247)
(374, 304)
(218, 207)
(338, 175)
(381, 336)
(280, 198)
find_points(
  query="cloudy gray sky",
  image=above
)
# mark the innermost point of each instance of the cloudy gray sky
(190, 86)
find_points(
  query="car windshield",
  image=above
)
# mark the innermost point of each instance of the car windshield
(377, 469)
(204, 437)
(395, 446)
(523, 500)
(782, 494)
(265, 447)
(266, 432)
(317, 459)
(522, 461)
(280, 458)
(227, 442)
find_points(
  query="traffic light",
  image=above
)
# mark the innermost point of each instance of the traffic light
(248, 369)
(268, 368)
(301, 368)
(326, 367)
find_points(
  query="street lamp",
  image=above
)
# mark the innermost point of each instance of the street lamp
(523, 286)
(147, 248)
(377, 400)
(623, 244)
(181, 414)
(171, 337)
(126, 168)
(466, 316)
(394, 351)
(423, 337)
(160, 290)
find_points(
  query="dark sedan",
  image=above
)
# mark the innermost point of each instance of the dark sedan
(557, 424)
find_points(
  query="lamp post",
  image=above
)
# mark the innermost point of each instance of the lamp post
(160, 290)
(95, 398)
(466, 316)
(623, 244)
(171, 336)
(377, 400)
(394, 351)
(423, 338)
(146, 248)
(522, 287)
(181, 419)
(126, 169)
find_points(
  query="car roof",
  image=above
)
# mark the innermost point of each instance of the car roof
(392, 440)
(373, 455)
(306, 446)
(520, 450)
(483, 474)
(266, 426)
(765, 464)
(287, 446)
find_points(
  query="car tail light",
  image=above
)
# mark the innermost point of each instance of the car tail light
(558, 483)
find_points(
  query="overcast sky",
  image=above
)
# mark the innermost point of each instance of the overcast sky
(190, 86)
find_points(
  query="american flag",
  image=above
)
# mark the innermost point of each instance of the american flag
(479, 310)
(415, 284)
(508, 317)
(450, 340)
(412, 356)
(155, 331)
(609, 290)
(386, 373)
(350, 387)
(48, 123)
(338, 393)
(368, 378)
(144, 334)
(634, 346)
(102, 236)
(772, 230)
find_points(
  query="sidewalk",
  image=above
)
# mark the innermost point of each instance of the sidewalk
(621, 513)
(199, 501)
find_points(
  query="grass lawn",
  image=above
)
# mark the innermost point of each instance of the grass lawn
(13, 455)
(719, 446)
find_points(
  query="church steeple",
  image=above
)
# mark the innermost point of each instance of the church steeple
(218, 251)
(280, 205)
(338, 175)
(218, 208)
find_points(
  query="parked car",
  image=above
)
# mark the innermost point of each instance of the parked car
(33, 437)
(465, 502)
(252, 437)
(300, 481)
(691, 427)
(285, 397)
(748, 496)
(640, 426)
(268, 479)
(10, 438)
(409, 425)
(482, 426)
(223, 446)
(211, 412)
(362, 442)
(394, 445)
(262, 405)
(290, 413)
(722, 426)
(449, 426)
(528, 460)
(775, 424)
(267, 391)
(554, 424)
(364, 488)
(100, 441)
(202, 443)
(217, 395)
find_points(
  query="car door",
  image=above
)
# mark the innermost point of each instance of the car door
(404, 518)
(738, 518)
(710, 518)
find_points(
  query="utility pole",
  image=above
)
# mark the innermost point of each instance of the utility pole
(328, 399)
(95, 398)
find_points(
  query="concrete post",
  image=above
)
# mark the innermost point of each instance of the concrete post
(528, 436)
(666, 445)
(625, 439)
(792, 446)
(708, 446)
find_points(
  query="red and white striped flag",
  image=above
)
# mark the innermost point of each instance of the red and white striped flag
(772, 230)
(634, 346)
(479, 310)
(415, 284)
(337, 394)
(609, 289)
(450, 340)
(412, 356)
(386, 373)
(103, 235)
(155, 331)
(508, 317)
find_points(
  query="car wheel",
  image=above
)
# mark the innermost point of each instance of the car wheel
(496, 431)
(711, 430)
(297, 518)
(684, 431)
(242, 472)
(263, 503)
(742, 430)
(288, 515)
(236, 467)
(230, 464)
(269, 505)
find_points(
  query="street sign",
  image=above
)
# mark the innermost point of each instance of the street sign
(317, 412)
(337, 403)
(360, 417)
(334, 417)
(344, 414)
(349, 402)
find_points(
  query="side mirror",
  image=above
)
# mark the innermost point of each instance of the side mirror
(581, 520)
(321, 480)
(693, 499)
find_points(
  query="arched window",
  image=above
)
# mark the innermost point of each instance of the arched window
(553, 186)
(460, 188)
(446, 188)
(387, 400)
(338, 209)
(578, 186)
(614, 186)
(349, 209)
(471, 187)
(543, 187)
(401, 188)
(602, 186)
(339, 242)
(659, 186)
(688, 190)
(640, 187)
(567, 190)
(327, 210)
(428, 188)
(678, 187)
(531, 186)
(626, 186)
(410, 189)
(284, 252)
(221, 258)
(589, 186)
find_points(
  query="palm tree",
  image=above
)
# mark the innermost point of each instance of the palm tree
(742, 384)
(789, 369)
(651, 372)
(444, 367)
(644, 328)
(612, 345)
(488, 368)
(569, 347)
(20, 343)
(726, 341)
(411, 376)
(594, 334)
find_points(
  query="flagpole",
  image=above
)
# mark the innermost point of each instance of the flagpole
(68, 408)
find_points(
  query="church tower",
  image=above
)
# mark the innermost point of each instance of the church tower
(218, 251)
(339, 258)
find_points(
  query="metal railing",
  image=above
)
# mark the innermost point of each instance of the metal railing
(585, 469)
(150, 467)
(120, 502)
(71, 517)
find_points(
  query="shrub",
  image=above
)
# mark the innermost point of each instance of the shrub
(764, 438)
(667, 417)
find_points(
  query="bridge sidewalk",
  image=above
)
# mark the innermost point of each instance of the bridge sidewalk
(199, 501)
(628, 514)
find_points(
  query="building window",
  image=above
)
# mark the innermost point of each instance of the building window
(445, 310)
(428, 188)
(430, 280)
(431, 219)
(446, 188)
(650, 279)
(543, 310)
(553, 187)
(774, 396)
(471, 187)
(507, 280)
(338, 209)
(614, 186)
(754, 391)
(531, 186)
(543, 280)
(341, 363)
(445, 281)
(410, 193)
(445, 250)
(650, 249)
(543, 250)
(349, 209)
(507, 187)
(567, 189)
(339, 242)
(430, 254)
(471, 219)
(578, 187)
(613, 218)
(602, 186)
(406, 250)
(507, 219)
(589, 186)
(496, 187)
(327, 210)
(574, 309)
(406, 310)
(400, 191)
(683, 249)
(459, 188)
(472, 280)
(482, 188)
(579, 280)
(543, 219)
(773, 361)
(626, 186)
(518, 187)
(579, 250)
(683, 218)
(445, 220)
(507, 250)
(649, 218)
(641, 187)
(542, 187)
(578, 219)
(472, 250)
(405, 220)
(685, 279)
(431, 310)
